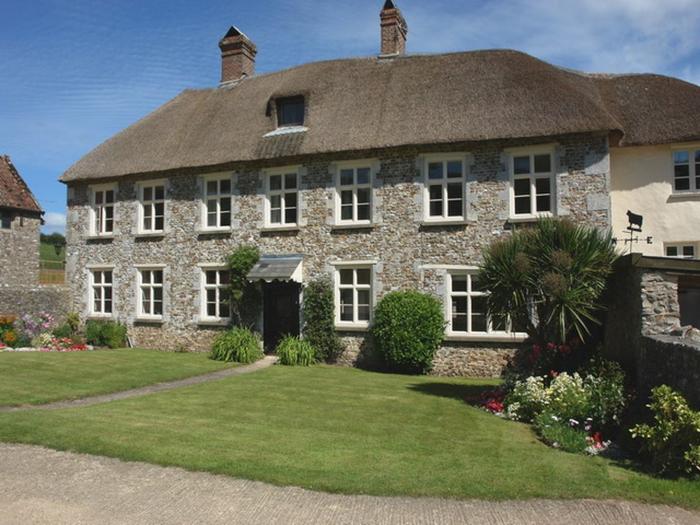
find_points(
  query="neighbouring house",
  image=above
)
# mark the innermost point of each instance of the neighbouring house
(379, 173)
(20, 224)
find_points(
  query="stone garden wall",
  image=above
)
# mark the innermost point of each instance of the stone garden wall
(20, 300)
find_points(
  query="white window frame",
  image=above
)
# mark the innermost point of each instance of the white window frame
(532, 152)
(355, 324)
(99, 211)
(373, 166)
(140, 314)
(444, 158)
(680, 247)
(219, 197)
(92, 312)
(451, 335)
(282, 192)
(693, 171)
(143, 204)
(204, 317)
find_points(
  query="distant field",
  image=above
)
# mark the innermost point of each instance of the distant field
(48, 253)
(52, 264)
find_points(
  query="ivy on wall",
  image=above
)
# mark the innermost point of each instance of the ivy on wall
(319, 321)
(246, 297)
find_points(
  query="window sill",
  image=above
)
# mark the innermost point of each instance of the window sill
(214, 322)
(529, 218)
(214, 231)
(487, 338)
(341, 327)
(288, 130)
(284, 228)
(445, 222)
(109, 237)
(689, 194)
(149, 235)
(357, 226)
(149, 320)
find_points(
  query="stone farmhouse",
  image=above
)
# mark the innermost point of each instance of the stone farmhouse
(380, 173)
(20, 223)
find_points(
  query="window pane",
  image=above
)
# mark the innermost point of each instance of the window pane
(435, 192)
(346, 212)
(346, 304)
(275, 201)
(346, 177)
(543, 163)
(109, 196)
(346, 197)
(290, 111)
(682, 184)
(454, 191)
(225, 277)
(479, 305)
(688, 251)
(543, 186)
(107, 277)
(290, 216)
(521, 187)
(225, 219)
(478, 323)
(454, 169)
(363, 212)
(459, 323)
(290, 200)
(211, 309)
(363, 195)
(459, 283)
(682, 170)
(158, 277)
(522, 205)
(148, 194)
(290, 181)
(672, 251)
(211, 277)
(224, 309)
(346, 277)
(159, 223)
(476, 285)
(544, 203)
(225, 186)
(681, 157)
(435, 170)
(363, 276)
(98, 197)
(158, 308)
(159, 209)
(212, 187)
(436, 209)
(276, 216)
(157, 294)
(145, 277)
(225, 205)
(363, 305)
(454, 208)
(160, 192)
(108, 305)
(147, 222)
(276, 182)
(521, 165)
(363, 175)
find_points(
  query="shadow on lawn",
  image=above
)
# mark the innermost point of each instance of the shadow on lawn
(470, 394)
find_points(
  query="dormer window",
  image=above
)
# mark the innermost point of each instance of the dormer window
(290, 112)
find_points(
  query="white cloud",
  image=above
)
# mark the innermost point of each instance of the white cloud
(54, 222)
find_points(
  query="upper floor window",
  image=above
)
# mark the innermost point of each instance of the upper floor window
(5, 220)
(682, 250)
(445, 188)
(217, 202)
(532, 183)
(686, 170)
(290, 112)
(152, 201)
(101, 292)
(102, 210)
(282, 201)
(216, 284)
(353, 291)
(354, 193)
(466, 308)
(150, 301)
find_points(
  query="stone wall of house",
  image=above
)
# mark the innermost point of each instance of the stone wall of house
(408, 252)
(20, 300)
(19, 251)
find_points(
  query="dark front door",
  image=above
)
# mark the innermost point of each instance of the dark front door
(281, 312)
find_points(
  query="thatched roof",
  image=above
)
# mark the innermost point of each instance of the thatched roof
(14, 192)
(371, 103)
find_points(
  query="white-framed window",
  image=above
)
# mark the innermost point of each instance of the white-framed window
(152, 207)
(353, 195)
(101, 295)
(216, 305)
(150, 293)
(282, 197)
(532, 182)
(685, 250)
(686, 170)
(217, 202)
(445, 187)
(353, 295)
(466, 308)
(102, 202)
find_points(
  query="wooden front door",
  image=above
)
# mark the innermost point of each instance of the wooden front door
(281, 312)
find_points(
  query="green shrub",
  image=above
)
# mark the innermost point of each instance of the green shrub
(239, 345)
(63, 330)
(408, 328)
(293, 351)
(560, 434)
(319, 320)
(527, 399)
(672, 443)
(245, 297)
(105, 333)
(605, 383)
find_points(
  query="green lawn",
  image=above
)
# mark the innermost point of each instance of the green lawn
(34, 378)
(48, 253)
(342, 430)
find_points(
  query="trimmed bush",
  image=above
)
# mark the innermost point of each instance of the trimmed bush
(408, 329)
(293, 351)
(319, 321)
(105, 333)
(239, 345)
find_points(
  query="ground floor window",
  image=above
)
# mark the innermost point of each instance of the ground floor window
(681, 250)
(5, 220)
(101, 291)
(353, 295)
(215, 293)
(151, 293)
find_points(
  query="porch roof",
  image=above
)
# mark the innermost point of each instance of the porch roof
(277, 268)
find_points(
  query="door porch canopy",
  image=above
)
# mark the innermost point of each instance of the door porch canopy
(286, 268)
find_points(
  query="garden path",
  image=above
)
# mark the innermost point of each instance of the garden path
(38, 485)
(150, 389)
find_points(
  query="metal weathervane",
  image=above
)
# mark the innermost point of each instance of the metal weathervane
(634, 228)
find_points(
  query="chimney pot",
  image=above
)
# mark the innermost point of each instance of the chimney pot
(394, 30)
(237, 56)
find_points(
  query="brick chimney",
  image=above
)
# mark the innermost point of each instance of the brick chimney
(394, 30)
(237, 56)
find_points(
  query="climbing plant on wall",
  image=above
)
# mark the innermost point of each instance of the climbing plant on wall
(245, 297)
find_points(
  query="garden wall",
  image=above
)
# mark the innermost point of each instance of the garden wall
(20, 300)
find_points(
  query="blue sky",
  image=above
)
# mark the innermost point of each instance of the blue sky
(75, 72)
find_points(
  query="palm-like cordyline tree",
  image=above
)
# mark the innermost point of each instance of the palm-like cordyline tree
(549, 279)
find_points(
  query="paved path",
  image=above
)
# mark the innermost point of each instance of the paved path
(150, 389)
(38, 485)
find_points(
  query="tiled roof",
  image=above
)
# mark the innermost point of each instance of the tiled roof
(14, 192)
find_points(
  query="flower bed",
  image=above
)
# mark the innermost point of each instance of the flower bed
(39, 333)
